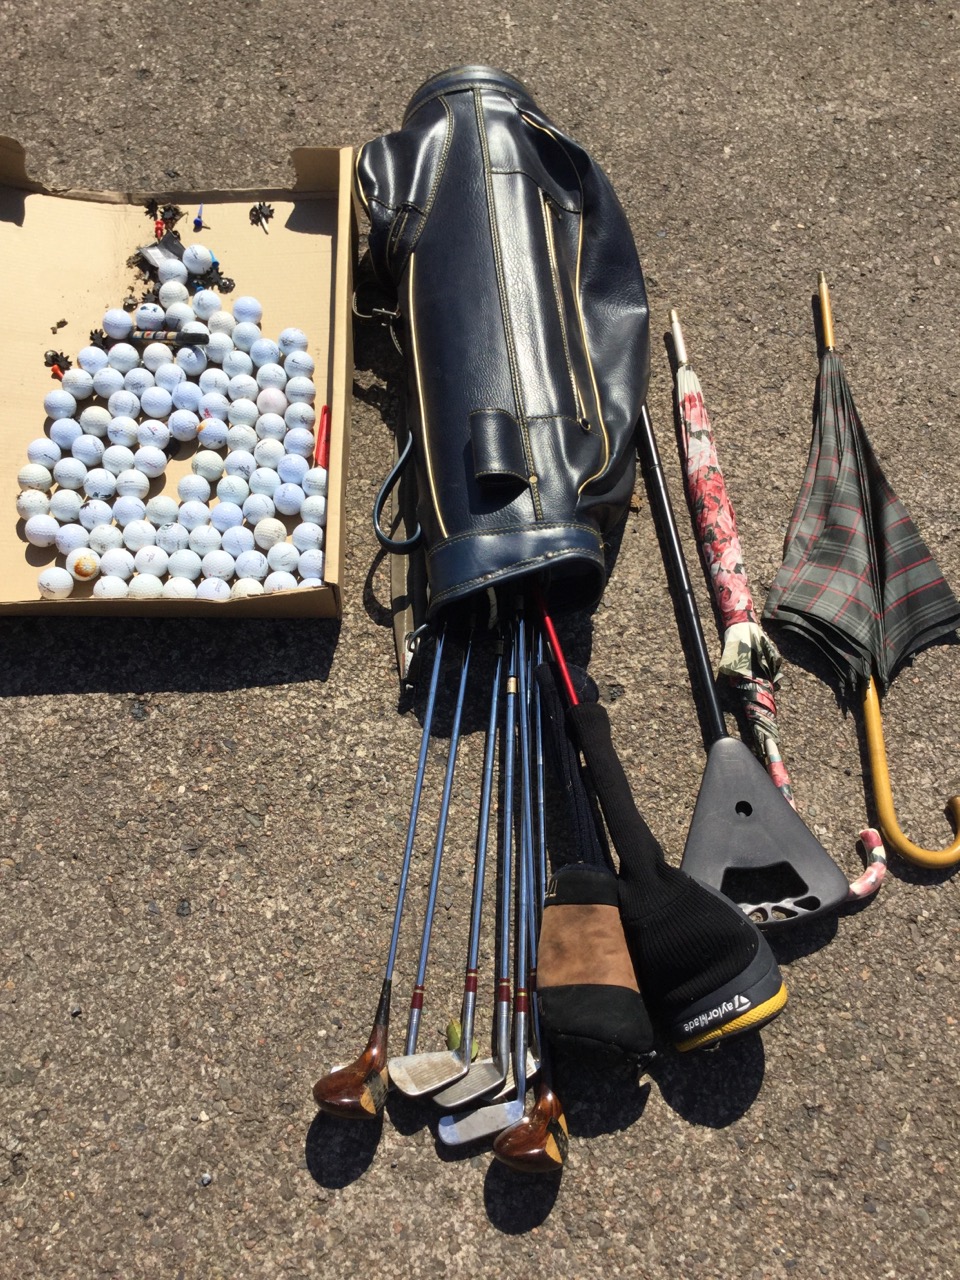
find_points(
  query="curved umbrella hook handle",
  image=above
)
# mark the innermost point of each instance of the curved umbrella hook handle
(947, 857)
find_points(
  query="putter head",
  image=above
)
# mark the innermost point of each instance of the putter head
(748, 843)
(484, 1076)
(416, 1074)
(538, 1142)
(456, 1131)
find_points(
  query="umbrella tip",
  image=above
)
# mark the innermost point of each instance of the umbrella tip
(678, 343)
(826, 313)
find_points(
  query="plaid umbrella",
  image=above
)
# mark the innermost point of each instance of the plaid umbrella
(750, 660)
(857, 578)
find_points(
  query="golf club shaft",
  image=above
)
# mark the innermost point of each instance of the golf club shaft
(416, 1001)
(676, 566)
(522, 928)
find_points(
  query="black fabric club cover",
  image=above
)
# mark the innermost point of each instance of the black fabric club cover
(524, 324)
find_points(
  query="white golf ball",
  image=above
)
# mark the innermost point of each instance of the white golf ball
(307, 536)
(300, 389)
(218, 564)
(132, 484)
(32, 502)
(268, 453)
(241, 386)
(271, 426)
(92, 359)
(279, 581)
(172, 291)
(252, 564)
(310, 564)
(123, 430)
(198, 259)
(272, 400)
(173, 537)
(268, 532)
(78, 383)
(156, 403)
(237, 540)
(241, 437)
(315, 481)
(187, 395)
(100, 484)
(169, 376)
(193, 514)
(179, 589)
(310, 582)
(219, 346)
(107, 380)
(123, 357)
(266, 481)
(240, 463)
(300, 416)
(213, 589)
(137, 380)
(151, 559)
(146, 586)
(70, 473)
(193, 325)
(128, 509)
(245, 335)
(299, 364)
(183, 424)
(271, 375)
(95, 512)
(137, 534)
(249, 309)
(171, 268)
(117, 458)
(208, 464)
(288, 499)
(244, 587)
(258, 507)
(214, 380)
(41, 531)
(212, 433)
(44, 452)
(299, 439)
(193, 488)
(55, 583)
(292, 340)
(104, 538)
(184, 564)
(94, 420)
(225, 515)
(243, 413)
(124, 404)
(291, 469)
(204, 539)
(71, 536)
(235, 362)
(314, 509)
(161, 509)
(151, 461)
(88, 449)
(154, 433)
(110, 588)
(65, 505)
(59, 404)
(206, 303)
(149, 315)
(178, 314)
(214, 404)
(264, 351)
(192, 360)
(117, 323)
(83, 565)
(282, 557)
(221, 322)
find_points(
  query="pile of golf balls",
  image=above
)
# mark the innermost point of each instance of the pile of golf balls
(250, 515)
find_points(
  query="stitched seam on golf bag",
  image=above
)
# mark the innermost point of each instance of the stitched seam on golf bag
(441, 167)
(478, 581)
(558, 297)
(576, 302)
(504, 304)
(508, 529)
(415, 357)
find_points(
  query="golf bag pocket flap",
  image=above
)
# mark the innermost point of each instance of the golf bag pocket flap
(498, 454)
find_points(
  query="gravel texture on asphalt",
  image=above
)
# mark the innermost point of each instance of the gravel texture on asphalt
(202, 823)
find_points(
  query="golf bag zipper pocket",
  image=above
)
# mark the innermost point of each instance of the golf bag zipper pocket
(546, 206)
(415, 358)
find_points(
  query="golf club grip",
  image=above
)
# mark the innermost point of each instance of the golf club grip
(631, 836)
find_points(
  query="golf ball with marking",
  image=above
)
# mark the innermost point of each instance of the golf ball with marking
(43, 452)
(258, 507)
(218, 564)
(110, 588)
(310, 564)
(300, 416)
(292, 339)
(292, 468)
(59, 404)
(226, 515)
(269, 532)
(247, 308)
(185, 564)
(41, 531)
(237, 540)
(212, 433)
(197, 259)
(94, 513)
(235, 362)
(288, 499)
(70, 473)
(105, 537)
(128, 509)
(107, 380)
(151, 559)
(117, 458)
(78, 383)
(149, 315)
(55, 584)
(137, 534)
(279, 581)
(315, 482)
(245, 587)
(264, 480)
(252, 564)
(71, 536)
(282, 557)
(146, 586)
(299, 364)
(204, 539)
(173, 537)
(179, 589)
(171, 268)
(307, 536)
(65, 505)
(88, 449)
(133, 483)
(32, 502)
(207, 464)
(83, 565)
(123, 357)
(117, 323)
(193, 514)
(183, 424)
(213, 589)
(100, 483)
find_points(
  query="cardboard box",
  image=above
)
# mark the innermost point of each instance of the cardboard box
(63, 256)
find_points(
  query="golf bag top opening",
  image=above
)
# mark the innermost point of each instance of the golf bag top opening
(523, 317)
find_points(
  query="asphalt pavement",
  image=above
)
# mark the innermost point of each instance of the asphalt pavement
(202, 823)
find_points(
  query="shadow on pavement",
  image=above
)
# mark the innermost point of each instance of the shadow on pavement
(714, 1088)
(517, 1202)
(339, 1152)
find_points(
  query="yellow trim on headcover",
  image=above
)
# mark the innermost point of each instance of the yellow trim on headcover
(746, 1022)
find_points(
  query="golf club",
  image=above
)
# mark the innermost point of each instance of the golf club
(421, 1073)
(359, 1090)
(398, 1066)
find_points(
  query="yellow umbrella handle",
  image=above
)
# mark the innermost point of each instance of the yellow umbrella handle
(884, 797)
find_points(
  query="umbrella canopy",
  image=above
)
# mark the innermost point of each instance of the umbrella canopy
(857, 578)
(750, 660)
